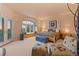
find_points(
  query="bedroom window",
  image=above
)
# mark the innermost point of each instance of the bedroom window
(28, 27)
(1, 29)
(9, 24)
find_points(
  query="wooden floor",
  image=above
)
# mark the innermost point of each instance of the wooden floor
(29, 35)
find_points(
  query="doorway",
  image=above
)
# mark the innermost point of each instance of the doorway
(5, 31)
(29, 28)
(1, 29)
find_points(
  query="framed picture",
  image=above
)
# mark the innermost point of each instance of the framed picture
(53, 24)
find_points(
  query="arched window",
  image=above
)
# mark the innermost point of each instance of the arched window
(28, 27)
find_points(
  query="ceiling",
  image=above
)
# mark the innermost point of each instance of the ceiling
(40, 10)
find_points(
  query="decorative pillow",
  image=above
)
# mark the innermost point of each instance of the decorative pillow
(53, 37)
(69, 43)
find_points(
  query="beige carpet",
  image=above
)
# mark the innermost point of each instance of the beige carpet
(20, 48)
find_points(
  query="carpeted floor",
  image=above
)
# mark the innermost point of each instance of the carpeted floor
(20, 48)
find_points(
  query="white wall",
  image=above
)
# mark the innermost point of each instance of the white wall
(16, 21)
(67, 22)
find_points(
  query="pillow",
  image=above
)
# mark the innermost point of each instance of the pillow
(69, 43)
